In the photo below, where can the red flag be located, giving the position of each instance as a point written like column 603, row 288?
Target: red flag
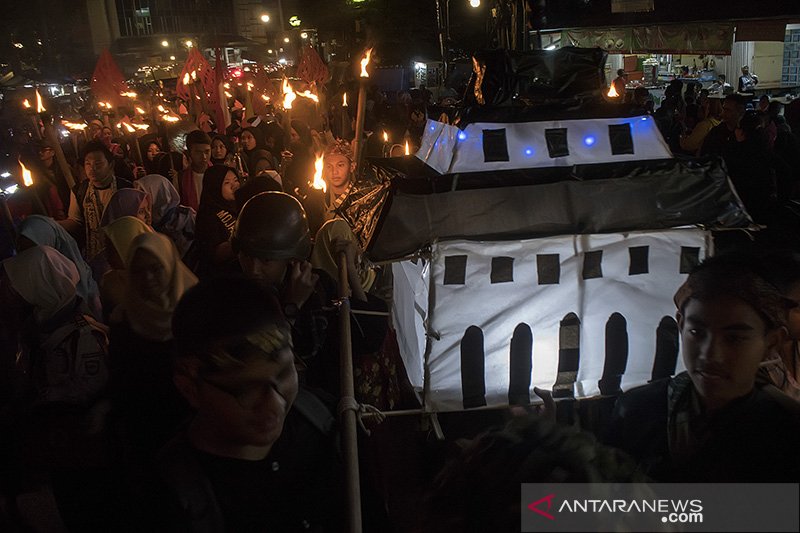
column 312, row 68
column 219, row 102
column 196, row 81
column 108, row 81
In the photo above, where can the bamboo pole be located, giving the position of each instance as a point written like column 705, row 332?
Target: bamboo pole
column 358, row 148
column 349, row 422
column 50, row 135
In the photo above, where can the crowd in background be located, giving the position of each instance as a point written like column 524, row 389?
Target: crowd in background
column 170, row 341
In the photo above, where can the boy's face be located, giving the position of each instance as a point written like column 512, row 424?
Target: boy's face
column 724, row 340
column 337, row 170
column 247, row 406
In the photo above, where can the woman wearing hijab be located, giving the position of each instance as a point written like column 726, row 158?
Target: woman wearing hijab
column 44, row 231
column 216, row 217
column 127, row 202
column 63, row 379
column 252, row 141
column 119, row 236
column 169, row 217
column 151, row 149
column 221, row 150
column 141, row 343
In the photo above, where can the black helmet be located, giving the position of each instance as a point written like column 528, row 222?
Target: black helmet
column 272, row 225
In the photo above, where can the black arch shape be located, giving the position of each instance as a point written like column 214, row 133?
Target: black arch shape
column 473, row 377
column 521, row 365
column 569, row 336
column 616, row 355
column 667, row 345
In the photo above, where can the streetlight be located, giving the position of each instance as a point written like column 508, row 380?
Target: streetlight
column 189, row 43
column 304, row 35
column 164, row 43
column 286, row 39
column 172, row 58
column 265, row 18
column 475, row 3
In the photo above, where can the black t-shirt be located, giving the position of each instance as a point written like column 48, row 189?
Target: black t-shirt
column 297, row 487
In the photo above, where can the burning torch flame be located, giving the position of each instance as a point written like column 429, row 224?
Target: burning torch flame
column 265, row 97
column 344, row 100
column 226, row 85
column 26, row 104
column 385, row 137
column 161, row 108
column 74, row 126
column 612, row 92
column 408, row 150
column 170, row 118
column 365, row 62
column 139, row 110
column 141, row 126
column 308, row 94
column 129, row 94
column 249, row 85
column 318, row 182
column 194, row 74
column 228, row 95
column 186, row 79
column 289, row 95
column 39, row 105
column 27, row 177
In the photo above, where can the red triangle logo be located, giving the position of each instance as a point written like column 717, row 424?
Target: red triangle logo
column 535, row 506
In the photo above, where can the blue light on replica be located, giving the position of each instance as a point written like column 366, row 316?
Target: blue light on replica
column 528, row 152
column 433, row 127
column 462, row 135
column 589, row 140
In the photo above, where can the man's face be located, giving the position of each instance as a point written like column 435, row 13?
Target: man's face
column 268, row 272
column 199, row 154
column 46, row 153
column 731, row 114
column 98, row 169
column 247, row 406
column 337, row 170
column 724, row 340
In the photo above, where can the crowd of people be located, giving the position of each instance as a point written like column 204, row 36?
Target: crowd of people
column 170, row 341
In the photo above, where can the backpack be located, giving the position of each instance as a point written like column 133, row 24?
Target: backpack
column 71, row 363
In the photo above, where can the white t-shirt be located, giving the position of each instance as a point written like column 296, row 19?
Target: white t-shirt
column 198, row 183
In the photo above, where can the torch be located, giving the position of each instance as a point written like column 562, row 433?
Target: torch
column 386, row 144
column 27, row 180
column 73, row 127
column 346, row 131
column 318, row 182
column 132, row 139
column 361, row 110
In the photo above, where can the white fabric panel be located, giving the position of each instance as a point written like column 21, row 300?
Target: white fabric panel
column 409, row 312
column 588, row 142
column 497, row 309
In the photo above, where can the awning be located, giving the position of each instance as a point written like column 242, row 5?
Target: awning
column 761, row 30
column 702, row 38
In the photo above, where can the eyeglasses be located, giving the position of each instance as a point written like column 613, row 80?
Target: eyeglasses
column 247, row 396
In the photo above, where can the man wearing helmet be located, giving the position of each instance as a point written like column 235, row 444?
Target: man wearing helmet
column 273, row 243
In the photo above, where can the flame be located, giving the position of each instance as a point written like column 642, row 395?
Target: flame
column 408, row 149
column 344, row 99
column 26, row 104
column 249, row 85
column 141, row 126
column 289, row 95
column 27, row 177
column 194, row 75
column 308, row 94
column 612, row 92
column 265, row 97
column 139, row 110
column 365, row 62
column 186, row 79
column 161, row 108
column 104, row 104
column 170, row 118
column 228, row 95
column 129, row 94
column 226, row 85
column 385, row 137
column 74, row 125
column 318, row 182
column 39, row 105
